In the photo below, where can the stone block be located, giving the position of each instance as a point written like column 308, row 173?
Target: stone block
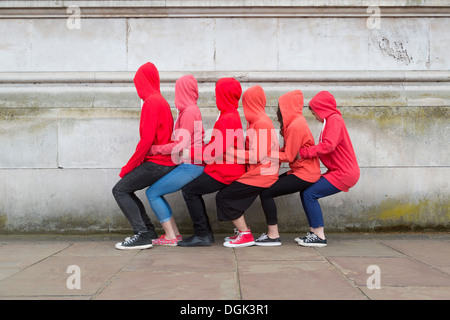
column 28, row 138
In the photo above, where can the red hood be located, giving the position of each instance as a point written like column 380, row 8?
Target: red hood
column 146, row 81
column 291, row 106
column 186, row 92
column 324, row 104
column 254, row 103
column 228, row 93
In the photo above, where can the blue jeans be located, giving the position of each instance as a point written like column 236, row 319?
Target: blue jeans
column 171, row 182
column 310, row 197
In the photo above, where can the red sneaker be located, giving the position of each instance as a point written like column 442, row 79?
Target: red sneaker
column 243, row 239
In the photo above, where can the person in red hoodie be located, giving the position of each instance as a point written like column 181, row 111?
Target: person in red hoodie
column 218, row 172
column 142, row 170
column 303, row 172
column 336, row 152
column 233, row 200
column 188, row 135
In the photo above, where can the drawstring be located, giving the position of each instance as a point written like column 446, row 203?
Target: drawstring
column 321, row 132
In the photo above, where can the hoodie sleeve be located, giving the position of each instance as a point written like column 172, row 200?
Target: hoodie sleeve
column 147, row 130
column 219, row 143
column 331, row 137
column 182, row 136
column 294, row 140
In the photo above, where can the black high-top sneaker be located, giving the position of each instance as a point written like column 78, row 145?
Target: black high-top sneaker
column 141, row 240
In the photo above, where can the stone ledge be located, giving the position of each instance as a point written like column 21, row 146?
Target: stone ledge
column 126, row 77
column 224, row 8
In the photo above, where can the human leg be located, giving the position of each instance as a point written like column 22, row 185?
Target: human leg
column 171, row 182
column 310, row 197
column 123, row 192
column 286, row 184
column 192, row 193
column 232, row 201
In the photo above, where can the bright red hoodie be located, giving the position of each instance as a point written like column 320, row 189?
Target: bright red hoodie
column 228, row 93
column 296, row 135
column 156, row 123
column 261, row 141
column 188, row 130
column 334, row 149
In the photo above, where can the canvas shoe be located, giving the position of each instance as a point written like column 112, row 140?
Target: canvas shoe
column 265, row 241
column 243, row 239
column 313, row 241
column 301, row 239
column 140, row 240
column 230, row 238
column 162, row 241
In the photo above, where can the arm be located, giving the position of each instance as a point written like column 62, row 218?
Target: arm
column 331, row 137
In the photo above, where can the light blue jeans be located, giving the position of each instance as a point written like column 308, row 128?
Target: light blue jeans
column 171, row 182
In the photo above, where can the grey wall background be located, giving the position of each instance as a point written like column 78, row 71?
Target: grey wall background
column 69, row 112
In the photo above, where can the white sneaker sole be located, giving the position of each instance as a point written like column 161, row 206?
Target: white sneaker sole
column 268, row 244
column 145, row 246
column 303, row 244
column 231, row 245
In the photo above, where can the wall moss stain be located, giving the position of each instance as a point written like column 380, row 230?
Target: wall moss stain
column 420, row 212
column 3, row 222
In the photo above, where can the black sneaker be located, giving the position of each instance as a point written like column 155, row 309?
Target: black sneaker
column 141, row 240
column 195, row 241
column 265, row 241
column 313, row 241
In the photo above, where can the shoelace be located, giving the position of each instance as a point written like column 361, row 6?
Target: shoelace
column 132, row 239
column 262, row 237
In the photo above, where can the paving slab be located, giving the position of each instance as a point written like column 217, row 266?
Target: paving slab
column 411, row 266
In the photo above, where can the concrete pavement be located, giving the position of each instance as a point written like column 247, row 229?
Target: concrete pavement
column 352, row 266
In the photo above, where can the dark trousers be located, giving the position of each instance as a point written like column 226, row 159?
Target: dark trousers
column 133, row 208
column 192, row 193
column 233, row 200
column 286, row 184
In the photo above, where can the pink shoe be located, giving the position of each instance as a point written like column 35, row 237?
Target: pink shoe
column 162, row 241
column 243, row 239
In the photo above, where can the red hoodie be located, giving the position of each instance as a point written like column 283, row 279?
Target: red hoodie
column 334, row 149
column 261, row 141
column 228, row 93
column 188, row 130
column 296, row 135
column 156, row 121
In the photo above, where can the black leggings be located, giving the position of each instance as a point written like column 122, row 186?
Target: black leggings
column 286, row 184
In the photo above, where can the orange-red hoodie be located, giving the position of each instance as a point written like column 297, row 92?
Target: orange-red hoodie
column 297, row 135
column 261, row 141
column 156, row 123
column 334, row 149
column 228, row 93
column 188, row 130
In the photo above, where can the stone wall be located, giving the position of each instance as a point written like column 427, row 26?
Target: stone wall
column 69, row 112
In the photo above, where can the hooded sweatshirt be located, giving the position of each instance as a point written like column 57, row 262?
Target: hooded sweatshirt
column 228, row 93
column 334, row 149
column 188, row 129
column 297, row 135
column 156, row 121
column 261, row 141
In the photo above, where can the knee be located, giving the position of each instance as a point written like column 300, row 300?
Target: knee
column 116, row 190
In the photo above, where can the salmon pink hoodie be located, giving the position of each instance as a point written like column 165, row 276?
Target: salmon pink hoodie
column 297, row 135
column 228, row 93
column 261, row 141
column 188, row 130
column 334, row 149
column 156, row 121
